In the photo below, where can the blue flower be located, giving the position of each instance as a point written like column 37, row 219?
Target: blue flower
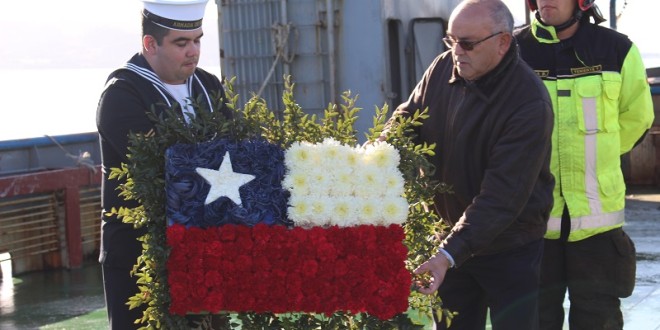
column 263, row 199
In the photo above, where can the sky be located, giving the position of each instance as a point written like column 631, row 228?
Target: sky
column 80, row 33
column 56, row 55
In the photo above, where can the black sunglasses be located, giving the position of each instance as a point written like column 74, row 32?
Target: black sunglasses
column 466, row 45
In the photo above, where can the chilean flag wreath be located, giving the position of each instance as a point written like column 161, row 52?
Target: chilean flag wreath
column 315, row 228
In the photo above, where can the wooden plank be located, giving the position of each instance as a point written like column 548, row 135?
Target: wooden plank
column 21, row 220
column 29, row 229
column 37, row 245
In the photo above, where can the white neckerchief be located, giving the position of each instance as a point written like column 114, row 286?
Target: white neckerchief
column 182, row 94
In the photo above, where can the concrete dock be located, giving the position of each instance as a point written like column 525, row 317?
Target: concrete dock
column 642, row 309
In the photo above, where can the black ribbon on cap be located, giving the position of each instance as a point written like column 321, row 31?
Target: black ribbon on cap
column 171, row 23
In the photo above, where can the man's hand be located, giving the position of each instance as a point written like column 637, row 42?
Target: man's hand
column 437, row 267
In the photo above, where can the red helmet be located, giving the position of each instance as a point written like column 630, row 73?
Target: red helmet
column 584, row 4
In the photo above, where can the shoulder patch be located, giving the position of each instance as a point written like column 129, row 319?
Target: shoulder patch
column 586, row 70
column 542, row 73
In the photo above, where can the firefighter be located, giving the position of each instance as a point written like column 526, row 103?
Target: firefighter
column 603, row 107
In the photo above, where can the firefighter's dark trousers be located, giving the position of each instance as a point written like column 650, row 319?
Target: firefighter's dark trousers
column 596, row 271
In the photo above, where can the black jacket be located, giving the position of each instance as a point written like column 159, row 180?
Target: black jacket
column 129, row 93
column 493, row 148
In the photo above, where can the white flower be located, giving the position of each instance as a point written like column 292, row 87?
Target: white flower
column 393, row 184
column 329, row 141
column 299, row 155
column 368, row 211
column 330, row 149
column 343, row 212
column 320, row 180
column 299, row 210
column 297, row 182
column 353, row 157
column 394, row 210
column 336, row 156
column 343, row 181
column 320, row 211
column 367, row 181
column 382, row 155
column 330, row 154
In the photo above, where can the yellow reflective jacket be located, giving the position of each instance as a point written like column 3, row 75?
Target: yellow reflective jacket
column 603, row 106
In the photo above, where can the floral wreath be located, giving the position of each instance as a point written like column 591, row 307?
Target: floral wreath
column 331, row 262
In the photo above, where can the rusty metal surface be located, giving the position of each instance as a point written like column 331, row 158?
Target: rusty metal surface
column 50, row 219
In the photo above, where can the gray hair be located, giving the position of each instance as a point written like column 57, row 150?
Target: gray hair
column 499, row 13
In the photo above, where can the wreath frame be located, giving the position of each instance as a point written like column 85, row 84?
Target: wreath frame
column 143, row 180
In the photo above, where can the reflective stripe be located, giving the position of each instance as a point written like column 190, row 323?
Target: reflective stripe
column 589, row 221
column 554, row 224
column 590, row 153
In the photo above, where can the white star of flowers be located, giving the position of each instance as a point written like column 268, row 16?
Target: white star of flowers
column 224, row 181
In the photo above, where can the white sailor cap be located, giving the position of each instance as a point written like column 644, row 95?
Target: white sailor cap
column 175, row 14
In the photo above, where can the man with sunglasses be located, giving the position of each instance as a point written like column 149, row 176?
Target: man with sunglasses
column 490, row 118
column 602, row 104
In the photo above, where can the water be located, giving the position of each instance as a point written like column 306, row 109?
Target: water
column 52, row 101
column 39, row 299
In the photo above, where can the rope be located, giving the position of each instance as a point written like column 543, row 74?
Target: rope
column 280, row 42
column 83, row 159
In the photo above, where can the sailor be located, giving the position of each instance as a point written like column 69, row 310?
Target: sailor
column 163, row 74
